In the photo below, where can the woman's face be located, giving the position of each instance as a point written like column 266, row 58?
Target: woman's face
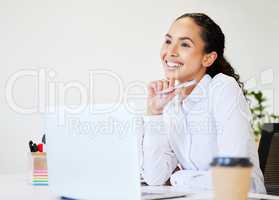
column 182, row 52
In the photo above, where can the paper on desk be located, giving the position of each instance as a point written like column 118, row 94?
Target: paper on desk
column 161, row 192
column 196, row 195
column 251, row 196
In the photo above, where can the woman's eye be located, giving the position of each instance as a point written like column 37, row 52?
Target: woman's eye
column 167, row 41
column 185, row 45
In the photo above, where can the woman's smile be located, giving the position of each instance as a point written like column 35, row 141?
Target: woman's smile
column 182, row 51
column 173, row 65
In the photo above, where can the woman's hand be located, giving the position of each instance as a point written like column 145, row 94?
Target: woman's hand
column 156, row 102
column 184, row 92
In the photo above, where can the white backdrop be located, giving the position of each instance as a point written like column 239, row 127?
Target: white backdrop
column 65, row 39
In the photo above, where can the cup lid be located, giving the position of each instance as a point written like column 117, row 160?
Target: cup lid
column 231, row 162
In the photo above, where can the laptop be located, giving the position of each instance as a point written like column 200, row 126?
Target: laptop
column 93, row 153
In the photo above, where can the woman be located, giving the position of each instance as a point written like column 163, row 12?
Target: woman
column 186, row 128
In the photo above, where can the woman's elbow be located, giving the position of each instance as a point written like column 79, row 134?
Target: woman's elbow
column 154, row 178
column 156, row 175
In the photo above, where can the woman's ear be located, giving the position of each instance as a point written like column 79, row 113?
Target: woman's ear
column 209, row 59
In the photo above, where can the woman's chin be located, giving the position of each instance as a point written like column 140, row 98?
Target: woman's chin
column 173, row 75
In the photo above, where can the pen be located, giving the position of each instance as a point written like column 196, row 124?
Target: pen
column 44, row 139
column 31, row 146
column 40, row 147
column 182, row 85
column 35, row 147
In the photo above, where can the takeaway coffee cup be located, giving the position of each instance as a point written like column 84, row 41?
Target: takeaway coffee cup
column 231, row 178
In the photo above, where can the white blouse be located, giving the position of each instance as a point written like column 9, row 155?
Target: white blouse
column 214, row 120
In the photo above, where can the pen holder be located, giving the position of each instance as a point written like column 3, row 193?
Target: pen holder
column 39, row 171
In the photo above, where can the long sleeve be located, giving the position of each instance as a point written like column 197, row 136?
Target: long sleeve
column 192, row 179
column 232, row 119
column 159, row 160
column 234, row 136
column 231, row 116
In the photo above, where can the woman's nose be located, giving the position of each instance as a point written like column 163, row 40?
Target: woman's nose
column 173, row 51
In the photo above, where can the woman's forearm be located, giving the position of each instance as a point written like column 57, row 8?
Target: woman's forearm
column 159, row 161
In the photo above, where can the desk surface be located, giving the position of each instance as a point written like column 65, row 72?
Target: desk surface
column 18, row 186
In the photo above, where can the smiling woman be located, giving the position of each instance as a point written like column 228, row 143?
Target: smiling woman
column 199, row 39
column 182, row 53
column 190, row 126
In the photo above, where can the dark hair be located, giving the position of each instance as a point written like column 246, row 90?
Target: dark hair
column 214, row 40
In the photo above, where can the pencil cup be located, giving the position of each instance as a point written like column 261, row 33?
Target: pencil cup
column 39, row 173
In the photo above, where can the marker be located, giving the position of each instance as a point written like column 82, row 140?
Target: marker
column 31, row 146
column 182, row 85
column 35, row 147
column 40, row 147
column 44, row 139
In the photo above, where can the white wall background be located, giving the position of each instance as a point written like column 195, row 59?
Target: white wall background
column 73, row 37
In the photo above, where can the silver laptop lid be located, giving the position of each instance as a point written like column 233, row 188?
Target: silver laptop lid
column 93, row 154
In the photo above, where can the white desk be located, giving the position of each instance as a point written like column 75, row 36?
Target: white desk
column 18, row 186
